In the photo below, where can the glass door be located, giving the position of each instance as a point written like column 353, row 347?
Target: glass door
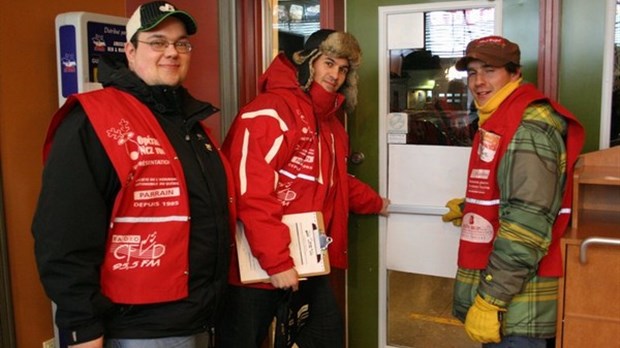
column 610, row 117
column 429, row 124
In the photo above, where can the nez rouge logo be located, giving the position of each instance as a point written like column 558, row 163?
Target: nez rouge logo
column 135, row 145
column 135, row 252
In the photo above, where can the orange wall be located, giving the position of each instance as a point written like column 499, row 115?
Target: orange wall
column 28, row 98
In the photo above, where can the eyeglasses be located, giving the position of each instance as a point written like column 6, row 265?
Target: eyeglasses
column 160, row 45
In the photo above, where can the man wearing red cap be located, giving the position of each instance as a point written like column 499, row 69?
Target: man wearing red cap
column 133, row 222
column 289, row 154
column 517, row 203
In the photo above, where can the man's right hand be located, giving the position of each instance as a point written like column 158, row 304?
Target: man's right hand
column 288, row 279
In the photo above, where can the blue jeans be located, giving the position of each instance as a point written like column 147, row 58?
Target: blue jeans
column 248, row 312
column 194, row 341
column 518, row 342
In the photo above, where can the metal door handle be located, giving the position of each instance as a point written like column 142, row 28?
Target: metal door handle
column 594, row 240
column 417, row 209
column 357, row 157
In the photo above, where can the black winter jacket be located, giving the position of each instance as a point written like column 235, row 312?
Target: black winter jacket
column 72, row 217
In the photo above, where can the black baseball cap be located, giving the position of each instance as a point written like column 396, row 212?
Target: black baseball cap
column 148, row 16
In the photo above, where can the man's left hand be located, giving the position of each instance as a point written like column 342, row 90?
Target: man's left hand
column 288, row 279
column 384, row 208
column 483, row 323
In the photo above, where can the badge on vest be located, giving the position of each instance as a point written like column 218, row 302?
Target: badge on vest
column 476, row 229
column 489, row 143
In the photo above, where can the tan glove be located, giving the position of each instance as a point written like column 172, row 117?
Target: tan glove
column 483, row 322
column 456, row 211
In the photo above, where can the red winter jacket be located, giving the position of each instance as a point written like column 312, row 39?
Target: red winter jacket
column 288, row 152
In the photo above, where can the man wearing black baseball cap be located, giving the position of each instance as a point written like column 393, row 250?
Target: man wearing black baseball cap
column 517, row 202
column 125, row 169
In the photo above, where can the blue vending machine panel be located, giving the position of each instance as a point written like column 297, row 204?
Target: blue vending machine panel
column 68, row 60
column 81, row 39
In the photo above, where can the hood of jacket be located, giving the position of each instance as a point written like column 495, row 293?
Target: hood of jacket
column 281, row 73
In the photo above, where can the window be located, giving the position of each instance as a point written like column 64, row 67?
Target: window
column 293, row 21
column 425, row 85
column 448, row 32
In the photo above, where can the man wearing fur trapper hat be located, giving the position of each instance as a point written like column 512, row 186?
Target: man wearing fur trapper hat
column 336, row 44
column 289, row 154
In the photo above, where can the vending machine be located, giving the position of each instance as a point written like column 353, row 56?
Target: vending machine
column 81, row 39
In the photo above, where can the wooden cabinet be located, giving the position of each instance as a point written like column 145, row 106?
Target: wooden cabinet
column 589, row 297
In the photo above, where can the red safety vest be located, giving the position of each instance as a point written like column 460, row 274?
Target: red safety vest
column 146, row 259
column 481, row 213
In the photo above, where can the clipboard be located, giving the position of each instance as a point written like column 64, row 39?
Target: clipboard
column 308, row 248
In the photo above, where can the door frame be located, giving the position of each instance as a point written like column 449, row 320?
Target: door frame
column 608, row 74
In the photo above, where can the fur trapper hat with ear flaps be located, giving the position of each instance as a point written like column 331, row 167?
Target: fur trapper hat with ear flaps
column 335, row 44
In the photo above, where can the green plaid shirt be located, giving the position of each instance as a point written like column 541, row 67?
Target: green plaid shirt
column 531, row 177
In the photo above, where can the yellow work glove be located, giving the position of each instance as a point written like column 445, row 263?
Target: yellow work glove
column 456, row 211
column 483, row 322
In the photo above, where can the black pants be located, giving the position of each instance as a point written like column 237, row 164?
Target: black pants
column 249, row 312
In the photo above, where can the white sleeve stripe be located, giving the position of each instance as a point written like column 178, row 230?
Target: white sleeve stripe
column 266, row 112
column 243, row 179
column 307, row 177
column 298, row 176
column 332, row 174
column 274, row 149
column 319, row 179
column 287, row 174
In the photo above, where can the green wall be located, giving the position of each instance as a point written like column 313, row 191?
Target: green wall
column 520, row 25
column 581, row 64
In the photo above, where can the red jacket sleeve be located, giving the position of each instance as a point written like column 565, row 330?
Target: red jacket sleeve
column 253, row 147
column 363, row 199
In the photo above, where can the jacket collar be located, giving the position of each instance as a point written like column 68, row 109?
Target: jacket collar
column 162, row 100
